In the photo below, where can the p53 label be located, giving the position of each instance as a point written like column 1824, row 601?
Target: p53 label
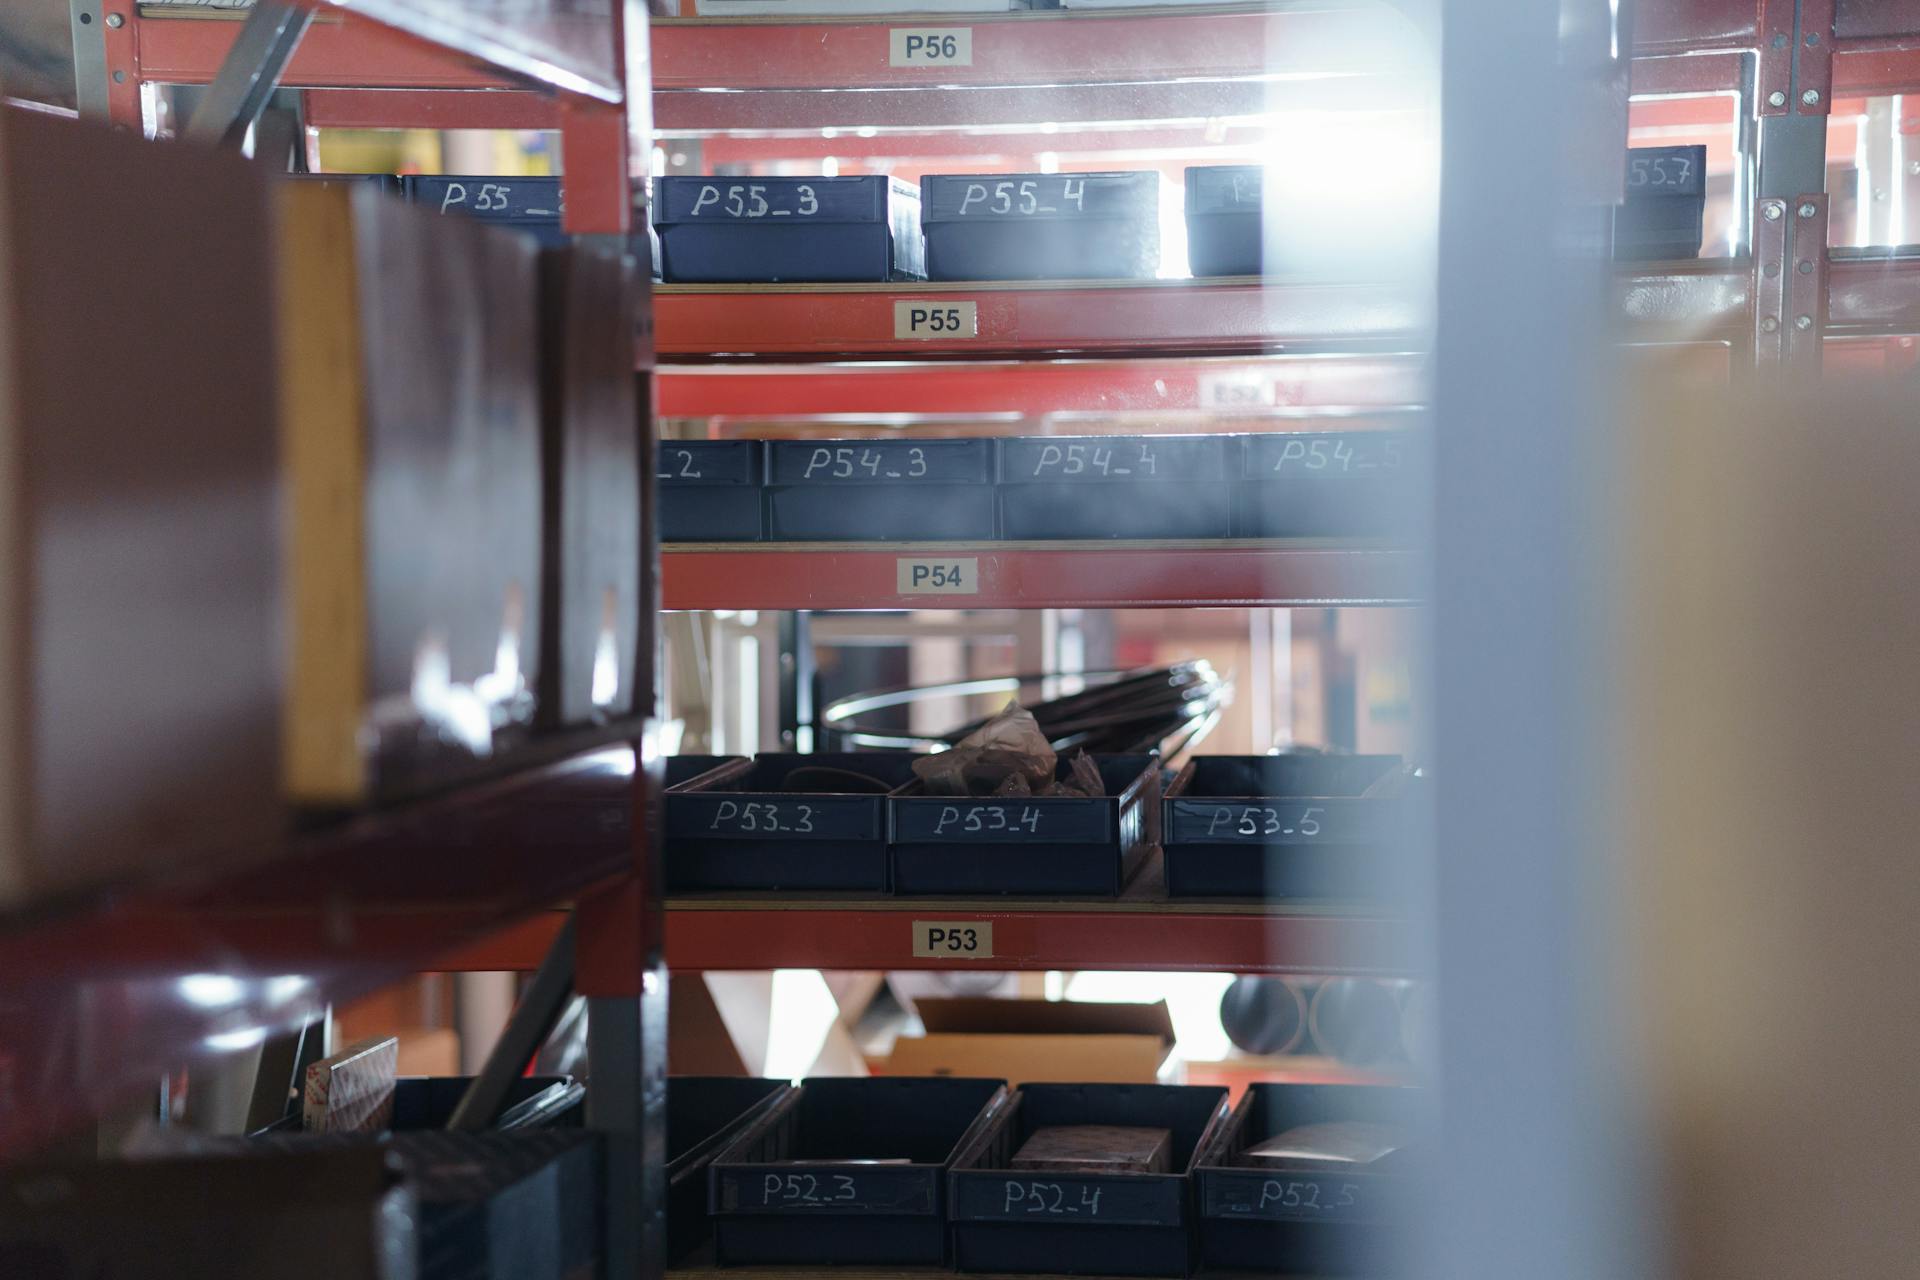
column 953, row 939
column 930, row 47
column 929, row 320
column 937, row 576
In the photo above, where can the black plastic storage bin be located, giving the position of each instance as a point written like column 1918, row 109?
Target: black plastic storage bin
column 1311, row 1220
column 704, row 1115
column 747, row 230
column 1115, row 1224
column 1116, row 487
column 428, row 1102
column 1041, row 226
column 520, row 1204
column 1223, row 219
column 862, row 490
column 1286, row 826
column 686, row 768
column 752, row 825
column 781, row 1193
column 1029, row 844
column 710, row 491
column 531, row 205
column 1666, row 206
column 524, row 1204
column 322, row 1214
column 1325, row 484
column 386, row 182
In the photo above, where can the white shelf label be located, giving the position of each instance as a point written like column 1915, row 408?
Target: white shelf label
column 937, row 576
column 953, row 939
column 929, row 320
column 930, row 47
column 1247, row 389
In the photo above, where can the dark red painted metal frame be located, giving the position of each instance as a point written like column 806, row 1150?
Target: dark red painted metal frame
column 101, row 998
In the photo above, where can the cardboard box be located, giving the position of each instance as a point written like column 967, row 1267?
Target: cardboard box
column 139, row 695
column 410, row 436
column 1044, row 1040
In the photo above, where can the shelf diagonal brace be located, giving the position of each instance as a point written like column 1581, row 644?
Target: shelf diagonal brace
column 540, row 1006
column 246, row 79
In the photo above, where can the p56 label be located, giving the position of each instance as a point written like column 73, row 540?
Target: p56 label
column 953, row 939
column 930, row 320
column 930, row 47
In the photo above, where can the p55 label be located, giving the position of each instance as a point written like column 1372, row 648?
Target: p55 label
column 930, row 320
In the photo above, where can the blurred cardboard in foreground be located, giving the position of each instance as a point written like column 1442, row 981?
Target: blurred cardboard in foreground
column 1769, row 721
column 1026, row 1040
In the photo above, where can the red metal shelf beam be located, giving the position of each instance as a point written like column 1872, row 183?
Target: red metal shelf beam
column 1161, row 318
column 1030, row 388
column 1135, row 318
column 1057, row 47
column 838, row 937
column 1062, row 575
column 337, row 52
column 1145, row 318
column 1029, row 66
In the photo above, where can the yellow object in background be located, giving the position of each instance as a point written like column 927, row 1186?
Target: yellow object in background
column 509, row 152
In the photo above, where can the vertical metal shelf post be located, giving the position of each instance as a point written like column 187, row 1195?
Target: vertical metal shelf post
column 620, row 956
column 1792, row 99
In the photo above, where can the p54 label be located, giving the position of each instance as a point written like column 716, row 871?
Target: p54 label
column 937, row 575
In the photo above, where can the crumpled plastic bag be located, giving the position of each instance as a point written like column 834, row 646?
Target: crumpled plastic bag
column 1007, row 756
column 1083, row 778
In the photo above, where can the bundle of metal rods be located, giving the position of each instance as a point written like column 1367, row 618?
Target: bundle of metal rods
column 1167, row 709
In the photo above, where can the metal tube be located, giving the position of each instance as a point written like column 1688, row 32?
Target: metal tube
column 245, row 81
column 540, row 1007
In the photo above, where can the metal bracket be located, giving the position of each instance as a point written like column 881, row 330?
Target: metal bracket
column 1795, row 73
column 1793, row 94
column 1805, row 317
column 89, row 57
column 1790, row 280
column 246, row 79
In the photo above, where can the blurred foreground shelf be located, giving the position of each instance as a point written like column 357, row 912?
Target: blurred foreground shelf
column 101, row 995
